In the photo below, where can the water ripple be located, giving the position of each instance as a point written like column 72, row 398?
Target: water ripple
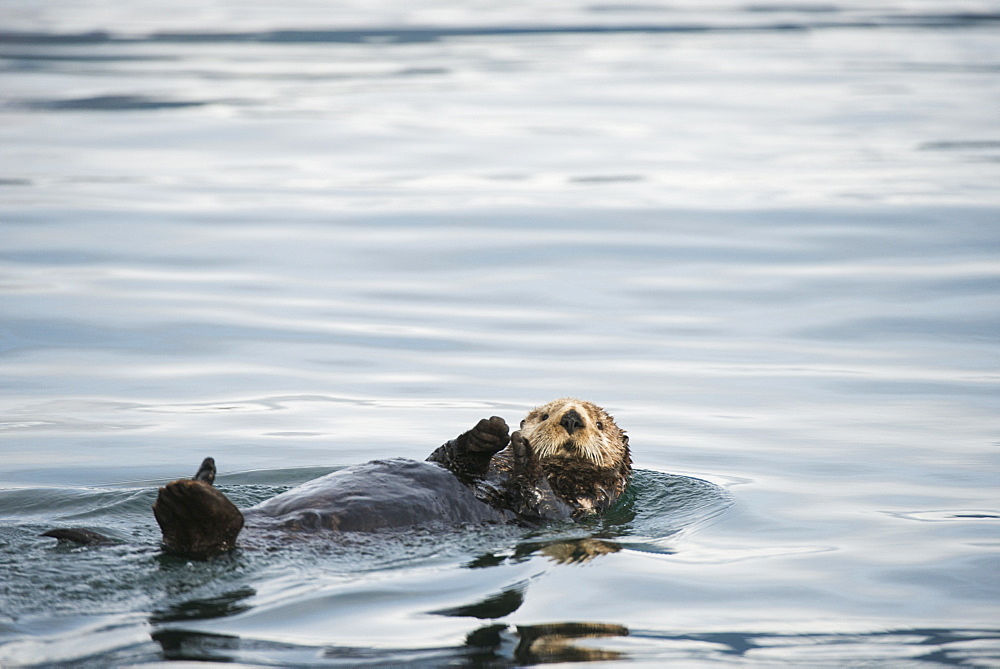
column 411, row 35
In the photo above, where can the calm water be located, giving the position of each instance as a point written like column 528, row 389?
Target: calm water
column 301, row 235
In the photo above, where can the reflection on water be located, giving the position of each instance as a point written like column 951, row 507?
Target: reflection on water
column 503, row 645
column 489, row 645
column 296, row 237
column 581, row 550
column 226, row 604
column 494, row 606
column 543, row 644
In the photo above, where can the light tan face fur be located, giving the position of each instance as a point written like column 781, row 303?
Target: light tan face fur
column 597, row 438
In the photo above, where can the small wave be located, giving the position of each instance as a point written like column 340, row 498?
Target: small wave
column 655, row 510
column 109, row 103
column 660, row 504
column 961, row 145
column 57, row 505
column 794, row 18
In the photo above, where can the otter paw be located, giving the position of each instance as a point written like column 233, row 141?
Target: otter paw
column 197, row 520
column 489, row 436
column 524, row 461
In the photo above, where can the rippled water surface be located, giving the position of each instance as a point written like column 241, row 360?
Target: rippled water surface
column 301, row 235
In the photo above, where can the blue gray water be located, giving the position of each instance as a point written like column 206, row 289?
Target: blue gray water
column 299, row 235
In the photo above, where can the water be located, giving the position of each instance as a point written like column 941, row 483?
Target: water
column 297, row 237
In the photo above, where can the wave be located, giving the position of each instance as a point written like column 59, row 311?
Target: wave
column 433, row 33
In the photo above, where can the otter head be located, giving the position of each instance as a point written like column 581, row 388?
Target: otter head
column 576, row 429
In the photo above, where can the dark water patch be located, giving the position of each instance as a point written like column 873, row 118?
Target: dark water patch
column 422, row 72
column 960, row 68
column 15, row 182
column 796, row 8
column 626, row 8
column 109, row 103
column 955, row 287
column 436, row 34
column 985, row 328
column 27, row 37
column 359, row 36
column 967, row 145
column 77, row 57
column 607, row 179
column 944, row 20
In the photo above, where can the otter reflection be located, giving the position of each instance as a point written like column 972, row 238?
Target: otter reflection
column 554, row 642
column 543, row 644
column 536, row 644
column 494, row 645
column 561, row 551
column 578, row 550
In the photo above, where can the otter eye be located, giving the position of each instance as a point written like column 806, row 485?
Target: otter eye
column 600, row 425
column 545, row 417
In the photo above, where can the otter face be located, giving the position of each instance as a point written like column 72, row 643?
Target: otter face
column 577, row 429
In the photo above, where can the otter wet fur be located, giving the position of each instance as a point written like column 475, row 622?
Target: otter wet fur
column 568, row 460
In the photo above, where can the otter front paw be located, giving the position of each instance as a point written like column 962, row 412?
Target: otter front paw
column 468, row 455
column 529, row 493
column 525, row 466
column 489, row 436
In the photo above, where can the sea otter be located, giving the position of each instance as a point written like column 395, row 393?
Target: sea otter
column 568, row 460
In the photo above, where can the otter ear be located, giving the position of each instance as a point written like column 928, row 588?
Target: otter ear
column 522, row 424
column 625, row 439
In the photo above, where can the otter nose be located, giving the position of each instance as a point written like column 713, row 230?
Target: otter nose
column 572, row 421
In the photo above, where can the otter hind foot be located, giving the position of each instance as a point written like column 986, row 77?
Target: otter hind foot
column 196, row 519
column 79, row 535
column 206, row 472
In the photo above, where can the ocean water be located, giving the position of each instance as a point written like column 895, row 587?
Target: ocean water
column 296, row 236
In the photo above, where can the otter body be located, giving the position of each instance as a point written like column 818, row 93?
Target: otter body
column 569, row 459
column 377, row 495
